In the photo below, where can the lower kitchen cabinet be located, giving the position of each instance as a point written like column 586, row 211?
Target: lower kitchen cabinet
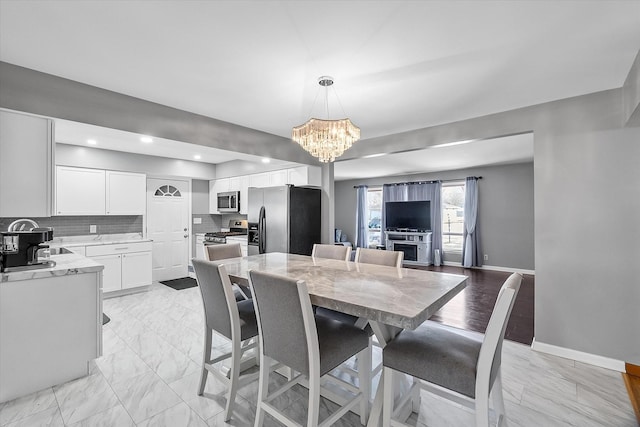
column 126, row 266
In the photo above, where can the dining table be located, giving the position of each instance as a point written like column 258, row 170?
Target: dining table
column 389, row 299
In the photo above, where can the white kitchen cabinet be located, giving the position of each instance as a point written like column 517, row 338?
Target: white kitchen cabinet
column 111, row 275
column 216, row 186
column 125, row 193
column 26, row 165
column 244, row 194
column 126, row 265
column 304, row 175
column 199, row 254
column 98, row 192
column 278, row 177
column 136, row 269
column 259, row 180
column 80, row 191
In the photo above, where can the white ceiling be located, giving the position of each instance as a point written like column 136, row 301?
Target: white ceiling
column 398, row 65
column 75, row 133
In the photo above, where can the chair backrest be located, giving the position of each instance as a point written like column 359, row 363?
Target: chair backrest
column 218, row 252
column 331, row 251
column 286, row 324
column 490, row 356
column 218, row 299
column 379, row 257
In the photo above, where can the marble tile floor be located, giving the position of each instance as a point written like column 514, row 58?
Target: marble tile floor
column 149, row 373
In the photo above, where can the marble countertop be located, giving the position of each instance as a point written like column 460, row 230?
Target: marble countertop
column 400, row 297
column 65, row 264
column 96, row 239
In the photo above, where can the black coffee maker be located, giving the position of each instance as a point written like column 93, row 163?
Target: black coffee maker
column 19, row 249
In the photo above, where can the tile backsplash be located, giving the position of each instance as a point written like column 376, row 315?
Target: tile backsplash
column 213, row 222
column 80, row 225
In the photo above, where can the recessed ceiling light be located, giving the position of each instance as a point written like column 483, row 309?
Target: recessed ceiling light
column 197, row 156
column 266, row 160
column 92, row 141
column 146, row 139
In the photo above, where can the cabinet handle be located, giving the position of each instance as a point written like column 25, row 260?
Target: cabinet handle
column 121, row 249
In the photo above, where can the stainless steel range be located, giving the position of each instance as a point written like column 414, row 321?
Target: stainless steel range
column 236, row 228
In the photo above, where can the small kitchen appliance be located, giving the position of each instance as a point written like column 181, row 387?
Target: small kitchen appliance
column 19, row 249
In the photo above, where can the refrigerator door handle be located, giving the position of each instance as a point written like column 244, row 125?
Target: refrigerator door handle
column 262, row 231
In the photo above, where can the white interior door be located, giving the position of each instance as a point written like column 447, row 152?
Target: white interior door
column 168, row 227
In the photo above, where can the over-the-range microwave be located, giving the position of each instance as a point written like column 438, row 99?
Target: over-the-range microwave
column 229, row 201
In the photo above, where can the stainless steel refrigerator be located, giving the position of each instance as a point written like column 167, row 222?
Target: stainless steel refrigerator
column 283, row 219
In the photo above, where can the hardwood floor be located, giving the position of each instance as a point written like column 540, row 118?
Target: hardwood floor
column 471, row 308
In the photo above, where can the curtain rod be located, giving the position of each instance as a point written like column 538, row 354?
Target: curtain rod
column 422, row 182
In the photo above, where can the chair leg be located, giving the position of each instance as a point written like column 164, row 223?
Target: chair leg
column 313, row 414
column 387, row 405
column 482, row 410
column 498, row 401
column 364, row 381
column 263, row 389
column 236, row 355
column 206, row 357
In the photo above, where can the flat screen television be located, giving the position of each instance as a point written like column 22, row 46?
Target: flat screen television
column 411, row 216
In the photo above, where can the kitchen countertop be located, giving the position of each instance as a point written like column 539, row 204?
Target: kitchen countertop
column 96, row 239
column 65, row 264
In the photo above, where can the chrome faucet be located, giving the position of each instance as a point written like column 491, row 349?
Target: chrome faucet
column 14, row 225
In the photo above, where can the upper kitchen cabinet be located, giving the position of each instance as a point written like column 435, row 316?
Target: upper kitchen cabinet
column 305, row 175
column 26, row 165
column 126, row 193
column 99, row 192
column 80, row 191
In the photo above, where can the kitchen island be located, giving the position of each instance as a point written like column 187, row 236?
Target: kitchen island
column 50, row 324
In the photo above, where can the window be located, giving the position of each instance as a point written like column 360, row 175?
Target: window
column 374, row 216
column 452, row 216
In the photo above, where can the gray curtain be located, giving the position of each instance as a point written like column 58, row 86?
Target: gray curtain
column 361, row 217
column 471, row 256
column 432, row 192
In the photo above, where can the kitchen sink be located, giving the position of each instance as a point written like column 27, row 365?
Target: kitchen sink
column 59, row 251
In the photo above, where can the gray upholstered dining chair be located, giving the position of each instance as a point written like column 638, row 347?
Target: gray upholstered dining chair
column 234, row 320
column 225, row 251
column 331, row 251
column 379, row 257
column 218, row 252
column 291, row 335
column 460, row 365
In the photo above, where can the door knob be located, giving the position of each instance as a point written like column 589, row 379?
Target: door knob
column 186, row 235
column 185, row 229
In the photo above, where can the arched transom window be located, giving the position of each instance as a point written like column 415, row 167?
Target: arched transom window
column 167, row 191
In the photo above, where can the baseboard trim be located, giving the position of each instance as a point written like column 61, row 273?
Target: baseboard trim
column 494, row 268
column 579, row 356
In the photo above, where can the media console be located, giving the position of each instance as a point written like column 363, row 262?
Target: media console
column 415, row 245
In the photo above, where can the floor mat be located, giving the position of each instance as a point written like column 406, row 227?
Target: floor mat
column 182, row 283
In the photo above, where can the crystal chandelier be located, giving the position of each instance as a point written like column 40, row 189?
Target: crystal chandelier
column 326, row 139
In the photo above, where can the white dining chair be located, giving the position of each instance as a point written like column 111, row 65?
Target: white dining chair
column 461, row 366
column 339, row 252
column 379, row 257
column 234, row 320
column 313, row 346
column 226, row 251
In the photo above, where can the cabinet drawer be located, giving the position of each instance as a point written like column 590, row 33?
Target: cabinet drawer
column 118, row 248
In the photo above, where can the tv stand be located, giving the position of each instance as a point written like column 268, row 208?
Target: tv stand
column 415, row 245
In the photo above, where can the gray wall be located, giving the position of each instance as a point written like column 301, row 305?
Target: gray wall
column 31, row 91
column 505, row 210
column 631, row 94
column 585, row 173
column 86, row 157
column 200, row 196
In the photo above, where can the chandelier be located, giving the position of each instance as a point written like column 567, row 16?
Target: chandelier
column 326, row 139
